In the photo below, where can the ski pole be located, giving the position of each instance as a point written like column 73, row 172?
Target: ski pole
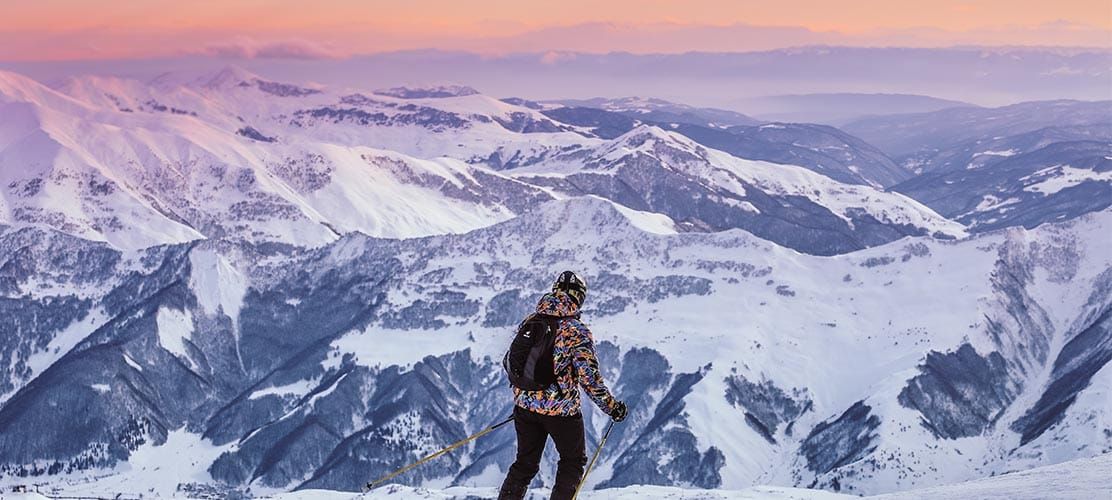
column 376, row 483
column 593, row 459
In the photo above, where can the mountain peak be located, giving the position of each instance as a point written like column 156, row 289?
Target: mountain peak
column 228, row 76
column 222, row 78
column 648, row 137
column 17, row 86
column 635, row 103
column 572, row 218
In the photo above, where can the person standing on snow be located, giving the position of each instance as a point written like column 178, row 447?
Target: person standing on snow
column 555, row 410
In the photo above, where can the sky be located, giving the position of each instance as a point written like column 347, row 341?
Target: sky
column 55, row 30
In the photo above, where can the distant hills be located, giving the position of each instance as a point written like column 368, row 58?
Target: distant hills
column 987, row 76
column 840, row 108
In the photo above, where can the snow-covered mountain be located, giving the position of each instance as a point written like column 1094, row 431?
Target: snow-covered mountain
column 990, row 168
column 660, row 171
column 232, row 154
column 136, row 166
column 926, row 142
column 841, row 108
column 984, row 151
column 662, row 111
column 746, row 363
column 263, row 286
column 821, row 148
column 1055, row 182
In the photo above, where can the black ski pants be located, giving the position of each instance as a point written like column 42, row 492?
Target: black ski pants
column 533, row 430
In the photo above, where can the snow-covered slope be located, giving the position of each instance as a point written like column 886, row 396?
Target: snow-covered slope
column 926, row 140
column 137, row 166
column 661, row 111
column 820, row 148
column 1083, row 479
column 1057, row 181
column 704, row 189
column 745, row 363
column 292, row 287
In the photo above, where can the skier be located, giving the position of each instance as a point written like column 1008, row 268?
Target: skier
column 555, row 410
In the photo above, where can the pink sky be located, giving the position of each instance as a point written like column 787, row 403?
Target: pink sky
column 78, row 29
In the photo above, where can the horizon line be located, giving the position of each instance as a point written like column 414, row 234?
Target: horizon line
column 503, row 55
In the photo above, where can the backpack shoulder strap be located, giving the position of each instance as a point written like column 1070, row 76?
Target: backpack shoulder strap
column 527, row 319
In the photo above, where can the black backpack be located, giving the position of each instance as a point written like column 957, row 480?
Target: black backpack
column 528, row 363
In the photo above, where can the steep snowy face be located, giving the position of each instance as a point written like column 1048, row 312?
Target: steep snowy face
column 703, row 189
column 743, row 362
column 819, row 148
column 50, row 282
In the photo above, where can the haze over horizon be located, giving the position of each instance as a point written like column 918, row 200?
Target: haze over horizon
column 70, row 30
column 989, row 53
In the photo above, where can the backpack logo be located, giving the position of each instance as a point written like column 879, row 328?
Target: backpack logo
column 528, row 363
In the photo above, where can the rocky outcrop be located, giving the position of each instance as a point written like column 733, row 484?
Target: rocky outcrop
column 960, row 393
column 842, row 441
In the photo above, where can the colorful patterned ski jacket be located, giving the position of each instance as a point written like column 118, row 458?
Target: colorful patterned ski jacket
column 574, row 361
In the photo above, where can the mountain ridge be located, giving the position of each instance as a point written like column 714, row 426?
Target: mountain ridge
column 271, row 161
column 435, row 310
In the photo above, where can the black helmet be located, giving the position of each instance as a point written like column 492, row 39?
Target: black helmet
column 570, row 283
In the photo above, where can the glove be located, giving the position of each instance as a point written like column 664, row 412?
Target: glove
column 619, row 412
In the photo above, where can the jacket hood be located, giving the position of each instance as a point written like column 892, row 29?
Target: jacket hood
column 557, row 304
